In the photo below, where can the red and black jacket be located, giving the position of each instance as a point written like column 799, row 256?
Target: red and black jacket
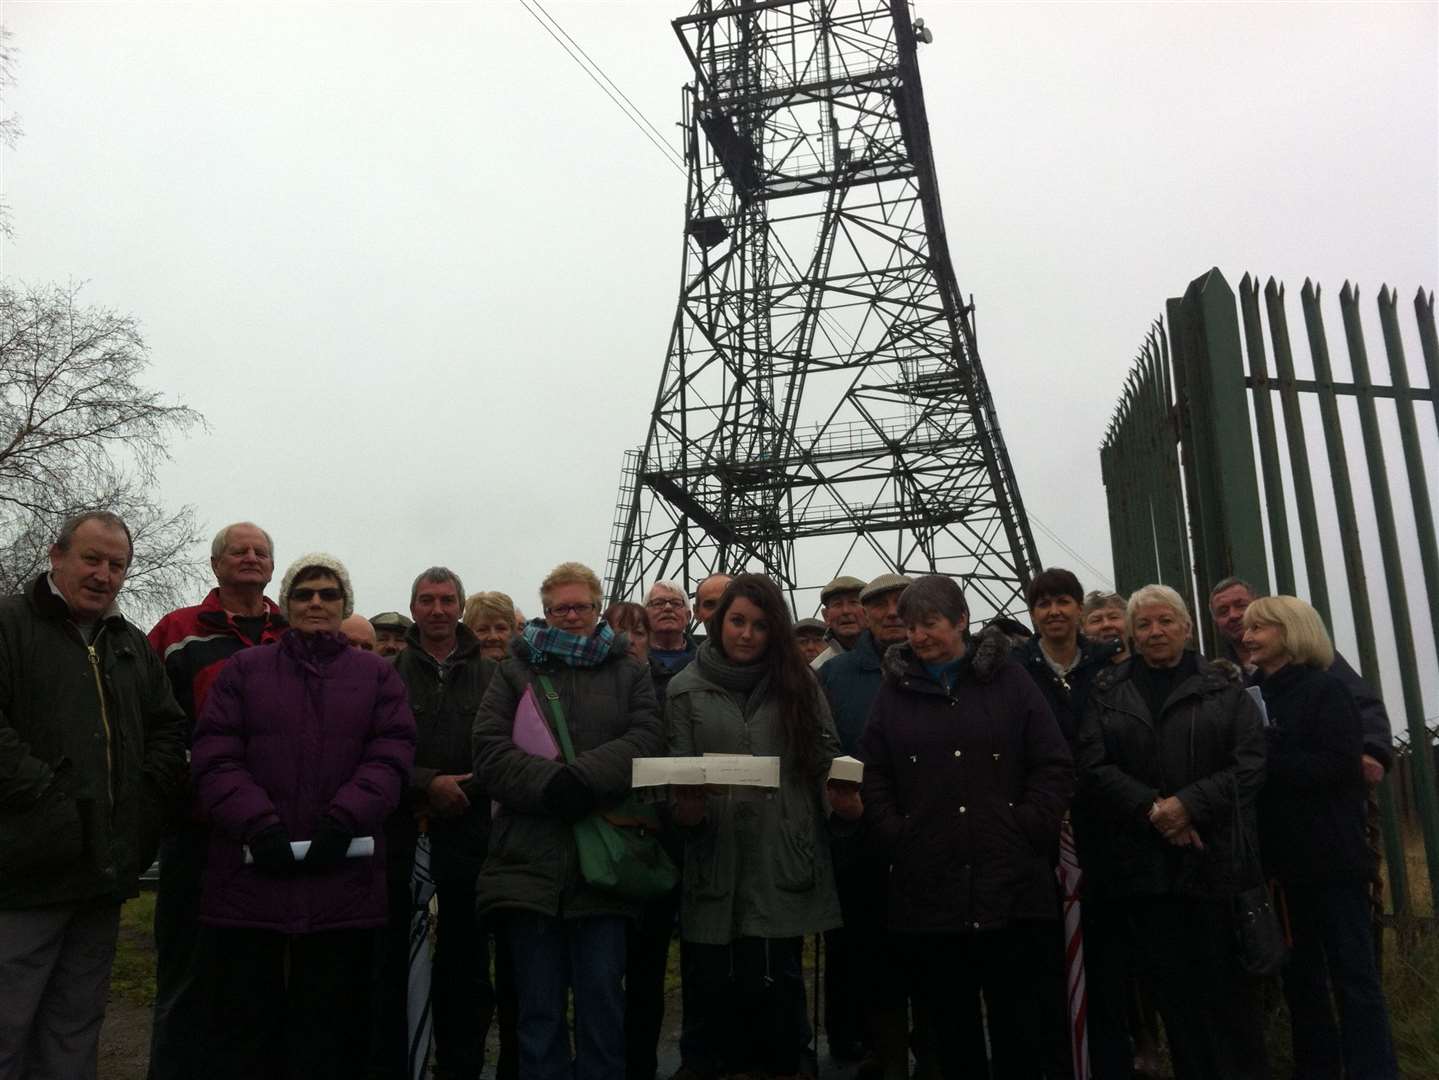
column 195, row 642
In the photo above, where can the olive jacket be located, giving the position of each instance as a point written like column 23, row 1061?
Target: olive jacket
column 532, row 863
column 759, row 864
column 92, row 753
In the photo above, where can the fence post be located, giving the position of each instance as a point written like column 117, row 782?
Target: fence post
column 1268, row 440
column 1314, row 571
column 1224, row 445
column 1419, row 739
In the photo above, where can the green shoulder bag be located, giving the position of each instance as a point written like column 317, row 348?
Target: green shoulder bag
column 619, row 849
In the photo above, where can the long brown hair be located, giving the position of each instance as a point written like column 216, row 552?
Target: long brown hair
column 790, row 678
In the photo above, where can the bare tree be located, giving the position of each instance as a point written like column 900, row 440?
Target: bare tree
column 78, row 431
column 9, row 121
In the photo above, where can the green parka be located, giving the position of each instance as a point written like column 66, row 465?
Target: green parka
column 612, row 717
column 92, row 749
column 759, row 863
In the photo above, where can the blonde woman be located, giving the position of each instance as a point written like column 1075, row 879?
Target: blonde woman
column 1311, row 827
column 492, row 616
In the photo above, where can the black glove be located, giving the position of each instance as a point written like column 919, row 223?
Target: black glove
column 270, row 848
column 328, row 845
column 567, row 797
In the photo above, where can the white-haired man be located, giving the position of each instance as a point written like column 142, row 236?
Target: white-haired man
column 195, row 643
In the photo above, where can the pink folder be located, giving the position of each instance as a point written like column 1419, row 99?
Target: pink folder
column 531, row 733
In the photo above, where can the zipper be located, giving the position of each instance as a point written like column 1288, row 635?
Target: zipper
column 104, row 720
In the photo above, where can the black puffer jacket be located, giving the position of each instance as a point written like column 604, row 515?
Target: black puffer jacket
column 964, row 791
column 92, row 754
column 612, row 719
column 1068, row 696
column 1311, row 812
column 1207, row 748
column 444, row 703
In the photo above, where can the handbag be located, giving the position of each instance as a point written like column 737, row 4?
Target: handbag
column 619, row 849
column 1261, row 940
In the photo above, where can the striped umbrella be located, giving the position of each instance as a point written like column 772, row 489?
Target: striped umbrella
column 422, row 888
column 1071, row 880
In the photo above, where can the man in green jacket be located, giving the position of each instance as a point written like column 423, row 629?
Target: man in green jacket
column 91, row 750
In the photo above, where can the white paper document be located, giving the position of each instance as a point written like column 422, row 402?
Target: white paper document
column 745, row 770
column 360, row 847
column 847, row 768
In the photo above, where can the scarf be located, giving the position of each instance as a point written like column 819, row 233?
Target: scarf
column 551, row 643
column 747, row 682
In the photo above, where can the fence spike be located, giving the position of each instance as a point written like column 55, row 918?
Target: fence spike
column 1349, row 294
column 1274, row 289
column 1425, row 300
column 1311, row 292
column 1388, row 298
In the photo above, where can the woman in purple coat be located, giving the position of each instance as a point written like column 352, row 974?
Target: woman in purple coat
column 303, row 740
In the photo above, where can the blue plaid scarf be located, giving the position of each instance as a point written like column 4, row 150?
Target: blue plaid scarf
column 549, row 643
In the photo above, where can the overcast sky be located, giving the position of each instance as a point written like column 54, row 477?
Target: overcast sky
column 418, row 273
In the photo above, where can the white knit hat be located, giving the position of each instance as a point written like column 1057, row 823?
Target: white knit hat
column 325, row 561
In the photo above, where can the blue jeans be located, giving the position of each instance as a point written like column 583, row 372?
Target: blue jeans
column 1334, row 949
column 551, row 956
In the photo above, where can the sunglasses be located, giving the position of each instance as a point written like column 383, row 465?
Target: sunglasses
column 329, row 594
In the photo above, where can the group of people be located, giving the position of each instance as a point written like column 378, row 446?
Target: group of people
column 292, row 761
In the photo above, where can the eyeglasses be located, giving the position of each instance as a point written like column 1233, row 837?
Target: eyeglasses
column 563, row 610
column 329, row 594
column 660, row 604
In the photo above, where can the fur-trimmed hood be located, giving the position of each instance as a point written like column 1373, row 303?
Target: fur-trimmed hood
column 1213, row 675
column 983, row 657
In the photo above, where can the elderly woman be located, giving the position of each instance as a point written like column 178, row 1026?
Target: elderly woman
column 492, row 616
column 563, row 933
column 1311, row 824
column 757, row 875
column 967, row 777
column 303, row 740
column 1171, row 760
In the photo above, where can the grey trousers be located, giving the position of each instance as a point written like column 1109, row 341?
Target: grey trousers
column 54, row 979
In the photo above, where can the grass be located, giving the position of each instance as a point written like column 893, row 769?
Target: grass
column 133, row 976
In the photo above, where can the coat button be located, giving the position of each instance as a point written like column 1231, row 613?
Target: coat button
column 961, row 809
column 996, row 757
column 958, row 754
column 975, row 925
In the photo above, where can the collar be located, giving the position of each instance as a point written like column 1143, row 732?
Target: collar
column 51, row 602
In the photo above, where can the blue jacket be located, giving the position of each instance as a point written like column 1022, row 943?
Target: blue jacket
column 851, row 682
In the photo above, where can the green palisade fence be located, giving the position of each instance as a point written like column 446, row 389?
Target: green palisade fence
column 1183, row 470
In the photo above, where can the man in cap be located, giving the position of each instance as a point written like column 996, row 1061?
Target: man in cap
column 865, row 1014
column 390, row 630
column 843, row 615
column 92, row 757
column 195, row 643
column 446, row 678
column 809, row 634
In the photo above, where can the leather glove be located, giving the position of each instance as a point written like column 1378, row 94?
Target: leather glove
column 270, row 848
column 567, row 797
column 328, row 845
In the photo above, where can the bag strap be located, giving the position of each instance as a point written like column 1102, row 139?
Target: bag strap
column 557, row 714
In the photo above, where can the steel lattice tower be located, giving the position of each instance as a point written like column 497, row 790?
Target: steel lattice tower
column 822, row 391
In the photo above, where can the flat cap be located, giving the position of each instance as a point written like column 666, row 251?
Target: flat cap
column 805, row 626
column 839, row 585
column 391, row 620
column 883, row 584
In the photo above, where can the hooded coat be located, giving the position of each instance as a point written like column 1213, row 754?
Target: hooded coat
column 964, row 792
column 292, row 733
column 1207, row 748
column 759, row 863
column 610, row 711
